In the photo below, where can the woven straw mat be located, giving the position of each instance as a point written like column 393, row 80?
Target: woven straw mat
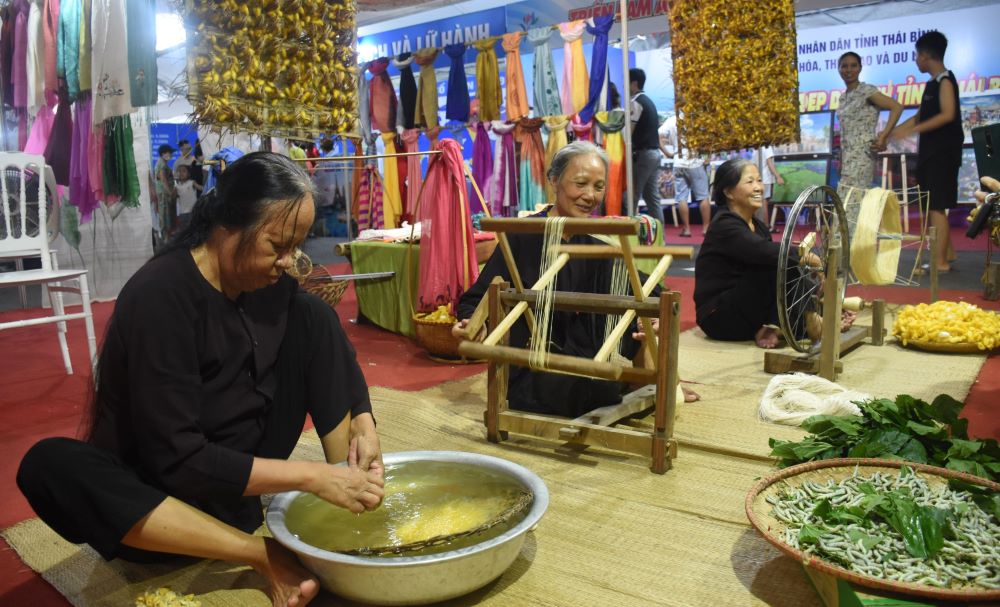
column 614, row 534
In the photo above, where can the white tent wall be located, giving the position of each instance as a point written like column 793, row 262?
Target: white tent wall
column 117, row 240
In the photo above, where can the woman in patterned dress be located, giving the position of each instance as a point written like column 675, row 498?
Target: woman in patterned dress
column 858, row 115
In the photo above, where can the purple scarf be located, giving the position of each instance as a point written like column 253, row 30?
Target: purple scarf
column 19, row 68
column 503, row 190
column 81, row 195
column 482, row 166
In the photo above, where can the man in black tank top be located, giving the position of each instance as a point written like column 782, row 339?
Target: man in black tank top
column 939, row 123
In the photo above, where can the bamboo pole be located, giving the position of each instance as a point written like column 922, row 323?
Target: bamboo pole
column 633, row 277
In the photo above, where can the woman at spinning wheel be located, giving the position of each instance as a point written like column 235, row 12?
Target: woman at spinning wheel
column 211, row 361
column 736, row 269
column 579, row 176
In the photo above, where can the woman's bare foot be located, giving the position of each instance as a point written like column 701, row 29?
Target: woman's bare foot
column 690, row 395
column 767, row 338
column 847, row 319
column 290, row 584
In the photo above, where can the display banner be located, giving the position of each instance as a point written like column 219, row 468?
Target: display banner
column 529, row 14
column 887, row 54
column 465, row 28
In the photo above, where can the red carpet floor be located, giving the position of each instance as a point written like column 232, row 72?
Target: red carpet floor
column 38, row 399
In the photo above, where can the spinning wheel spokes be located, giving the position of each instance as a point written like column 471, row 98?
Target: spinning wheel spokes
column 814, row 223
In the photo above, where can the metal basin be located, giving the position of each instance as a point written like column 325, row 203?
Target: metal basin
column 417, row 580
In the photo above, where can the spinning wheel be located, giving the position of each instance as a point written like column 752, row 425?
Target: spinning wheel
column 815, row 224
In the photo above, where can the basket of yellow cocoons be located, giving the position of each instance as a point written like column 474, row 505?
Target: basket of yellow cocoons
column 948, row 326
column 433, row 333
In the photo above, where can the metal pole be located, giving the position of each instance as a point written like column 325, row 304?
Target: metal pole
column 627, row 106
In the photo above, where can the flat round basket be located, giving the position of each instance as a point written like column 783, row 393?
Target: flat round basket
column 759, row 513
column 318, row 283
column 436, row 337
column 932, row 346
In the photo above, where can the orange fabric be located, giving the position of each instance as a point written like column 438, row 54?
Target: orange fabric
column 517, row 95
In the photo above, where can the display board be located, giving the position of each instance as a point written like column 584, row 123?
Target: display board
column 798, row 175
column 816, row 136
column 968, row 176
column 979, row 110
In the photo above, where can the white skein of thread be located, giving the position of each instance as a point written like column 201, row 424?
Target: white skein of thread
column 791, row 399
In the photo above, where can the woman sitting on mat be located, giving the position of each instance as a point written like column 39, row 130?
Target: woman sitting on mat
column 211, row 361
column 736, row 268
column 578, row 175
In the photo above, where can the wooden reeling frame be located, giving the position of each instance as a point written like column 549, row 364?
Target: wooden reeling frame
column 503, row 306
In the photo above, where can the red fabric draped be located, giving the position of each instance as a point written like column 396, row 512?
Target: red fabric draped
column 382, row 98
column 447, row 249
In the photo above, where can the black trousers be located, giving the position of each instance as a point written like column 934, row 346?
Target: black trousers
column 89, row 495
column 739, row 313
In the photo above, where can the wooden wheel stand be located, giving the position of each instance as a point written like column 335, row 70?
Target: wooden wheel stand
column 506, row 305
column 833, row 344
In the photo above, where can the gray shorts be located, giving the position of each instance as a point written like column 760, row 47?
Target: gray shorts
column 688, row 182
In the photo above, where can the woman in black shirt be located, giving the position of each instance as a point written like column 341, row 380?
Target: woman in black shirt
column 579, row 176
column 211, row 361
column 736, row 268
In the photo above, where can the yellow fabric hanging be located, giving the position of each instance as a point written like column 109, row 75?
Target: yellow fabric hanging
column 85, row 45
column 610, row 125
column 517, row 96
column 556, row 127
column 392, row 202
column 576, row 79
column 427, row 96
column 487, row 79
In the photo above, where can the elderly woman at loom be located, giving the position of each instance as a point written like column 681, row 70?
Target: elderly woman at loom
column 211, row 361
column 578, row 174
column 736, row 268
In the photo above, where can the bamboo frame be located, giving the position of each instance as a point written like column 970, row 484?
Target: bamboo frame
column 506, row 305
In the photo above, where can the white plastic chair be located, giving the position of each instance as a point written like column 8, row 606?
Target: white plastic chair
column 23, row 234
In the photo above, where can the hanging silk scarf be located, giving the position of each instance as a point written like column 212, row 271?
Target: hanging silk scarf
column 582, row 131
column 574, row 77
column 531, row 171
column 556, row 127
column 141, row 19
column 411, row 143
column 68, row 43
column 392, row 205
column 110, row 70
column 364, row 107
column 427, row 95
column 598, row 66
column 407, row 90
column 382, row 97
column 95, row 160
column 458, row 88
column 482, row 166
column 7, row 53
column 120, row 178
column 357, row 168
column 487, row 79
column 448, row 265
column 503, row 185
column 517, row 96
column 19, row 68
column 85, row 45
column 546, row 91
column 370, row 213
column 80, row 193
column 50, row 37
column 57, row 152
column 36, row 57
column 41, row 131
column 611, row 124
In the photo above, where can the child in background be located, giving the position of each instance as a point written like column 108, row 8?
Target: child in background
column 187, row 194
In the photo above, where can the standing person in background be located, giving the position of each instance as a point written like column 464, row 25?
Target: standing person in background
column 690, row 177
column 939, row 124
column 858, row 116
column 763, row 157
column 197, row 167
column 166, row 195
column 187, row 155
column 187, row 194
column 645, row 146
